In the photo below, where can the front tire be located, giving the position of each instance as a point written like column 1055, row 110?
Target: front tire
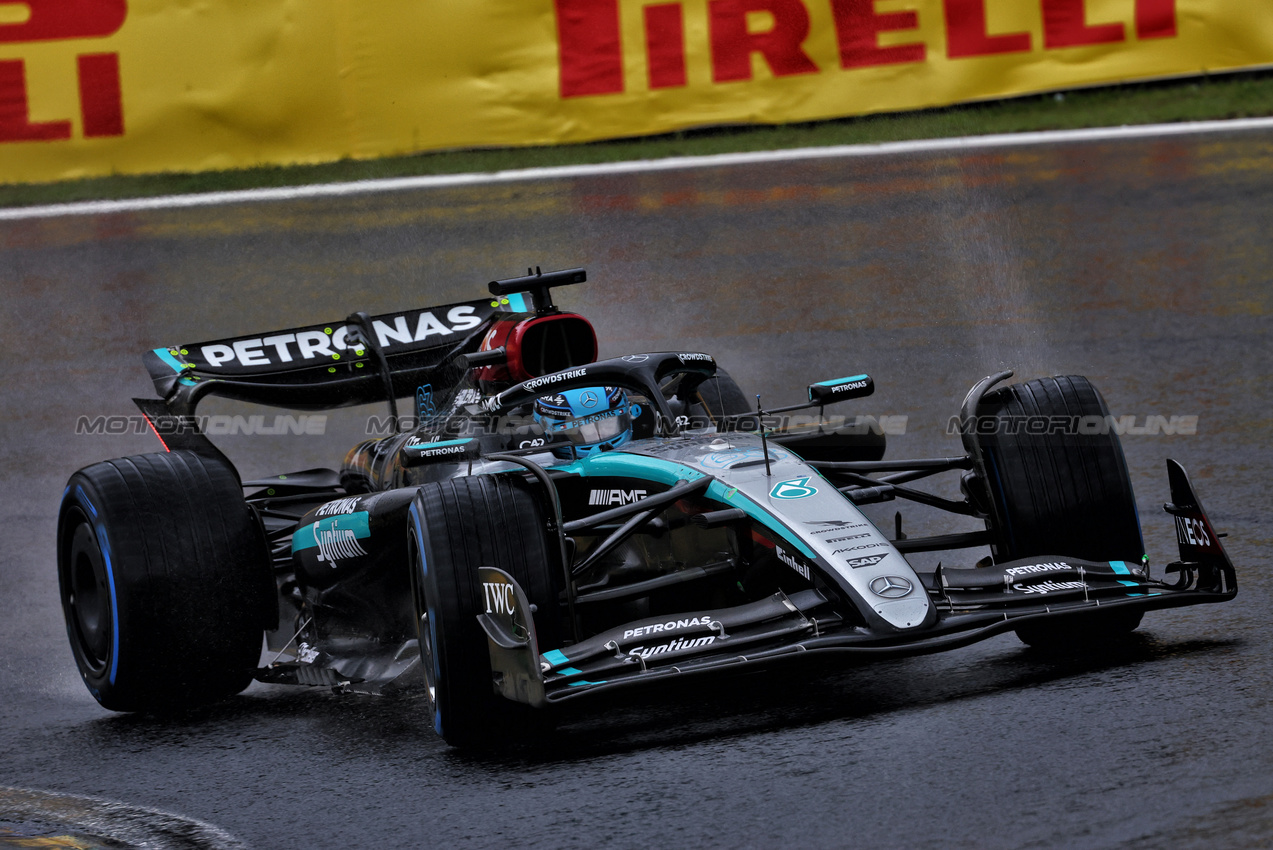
column 455, row 527
column 1057, row 485
column 165, row 581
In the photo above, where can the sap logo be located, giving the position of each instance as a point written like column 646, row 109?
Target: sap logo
column 500, row 597
column 615, row 497
column 790, row 561
column 340, row 506
column 868, row 561
column 1192, row 532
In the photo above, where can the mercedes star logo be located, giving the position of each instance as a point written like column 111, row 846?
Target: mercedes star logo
column 588, row 399
column 636, row 358
column 890, row 587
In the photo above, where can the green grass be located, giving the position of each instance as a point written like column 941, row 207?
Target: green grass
column 1232, row 96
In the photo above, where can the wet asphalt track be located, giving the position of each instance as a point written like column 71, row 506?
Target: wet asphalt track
column 1144, row 265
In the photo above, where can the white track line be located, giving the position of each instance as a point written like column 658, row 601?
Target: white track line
column 397, row 184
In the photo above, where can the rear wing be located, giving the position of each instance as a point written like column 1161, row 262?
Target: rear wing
column 358, row 360
column 324, row 366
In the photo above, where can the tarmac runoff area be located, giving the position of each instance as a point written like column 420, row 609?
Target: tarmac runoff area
column 40, row 819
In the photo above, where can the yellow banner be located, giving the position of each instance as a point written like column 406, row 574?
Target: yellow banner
column 92, row 87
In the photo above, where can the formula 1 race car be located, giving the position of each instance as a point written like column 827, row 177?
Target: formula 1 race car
column 551, row 526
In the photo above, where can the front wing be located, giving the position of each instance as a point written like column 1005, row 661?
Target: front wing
column 973, row 605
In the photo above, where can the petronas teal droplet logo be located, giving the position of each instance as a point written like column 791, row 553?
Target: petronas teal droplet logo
column 795, row 488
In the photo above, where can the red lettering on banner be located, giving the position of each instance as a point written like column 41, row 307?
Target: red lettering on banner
column 101, row 103
column 1065, row 25
column 15, row 121
column 966, row 32
column 733, row 44
column 1155, row 18
column 52, row 20
column 857, row 29
column 590, row 52
column 665, row 45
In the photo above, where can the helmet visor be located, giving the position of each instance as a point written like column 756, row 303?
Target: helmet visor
column 599, row 431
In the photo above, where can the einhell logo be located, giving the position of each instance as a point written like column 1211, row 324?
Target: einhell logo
column 591, row 50
column 101, row 104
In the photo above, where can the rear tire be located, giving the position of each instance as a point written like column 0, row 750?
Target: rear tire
column 455, row 527
column 165, row 581
column 1059, row 493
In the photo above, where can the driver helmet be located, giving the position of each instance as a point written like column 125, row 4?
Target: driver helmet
column 592, row 418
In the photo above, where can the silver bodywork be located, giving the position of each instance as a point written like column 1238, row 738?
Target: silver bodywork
column 815, row 526
column 821, row 525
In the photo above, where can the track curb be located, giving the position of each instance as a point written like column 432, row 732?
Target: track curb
column 112, row 824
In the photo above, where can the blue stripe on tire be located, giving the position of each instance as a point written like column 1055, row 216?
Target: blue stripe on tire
column 433, row 629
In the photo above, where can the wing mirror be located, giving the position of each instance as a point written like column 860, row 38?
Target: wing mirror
column 839, row 389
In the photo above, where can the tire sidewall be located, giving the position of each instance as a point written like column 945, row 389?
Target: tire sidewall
column 430, row 629
column 83, row 507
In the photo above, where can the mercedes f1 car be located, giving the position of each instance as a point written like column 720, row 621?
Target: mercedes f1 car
column 552, row 526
